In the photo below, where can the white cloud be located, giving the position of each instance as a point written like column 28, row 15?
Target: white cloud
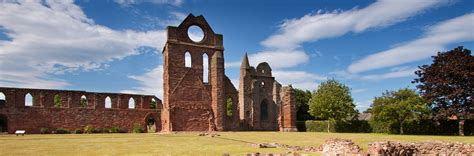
column 359, row 90
column 312, row 27
column 158, row 2
column 150, row 83
column 299, row 79
column 397, row 72
column 436, row 38
column 66, row 41
column 276, row 59
column 390, row 75
column 363, row 105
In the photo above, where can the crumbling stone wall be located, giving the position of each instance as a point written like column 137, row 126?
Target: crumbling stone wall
column 71, row 114
column 192, row 104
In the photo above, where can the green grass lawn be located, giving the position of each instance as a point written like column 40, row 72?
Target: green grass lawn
column 183, row 143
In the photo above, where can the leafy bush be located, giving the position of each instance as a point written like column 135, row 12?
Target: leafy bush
column 300, row 125
column 88, row 129
column 353, row 126
column 44, row 131
column 62, row 131
column 117, row 130
column 137, row 128
column 99, row 130
column 417, row 127
column 78, row 131
column 319, row 126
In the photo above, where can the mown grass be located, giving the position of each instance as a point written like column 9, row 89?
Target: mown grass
column 235, row 143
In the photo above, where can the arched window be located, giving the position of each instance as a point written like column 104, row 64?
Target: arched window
column 108, row 102
column 264, row 110
column 187, row 59
column 131, row 103
column 83, row 102
column 229, row 107
column 28, row 100
column 262, row 84
column 57, row 100
column 2, row 99
column 205, row 67
column 153, row 104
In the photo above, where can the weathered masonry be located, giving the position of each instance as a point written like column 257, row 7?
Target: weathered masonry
column 198, row 96
column 34, row 109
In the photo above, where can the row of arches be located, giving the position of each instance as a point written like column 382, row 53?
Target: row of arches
column 57, row 100
column 205, row 65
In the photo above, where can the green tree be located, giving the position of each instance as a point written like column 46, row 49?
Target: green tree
column 153, row 104
column 396, row 108
column 302, row 106
column 332, row 101
column 229, row 107
column 448, row 85
column 57, row 101
column 83, row 102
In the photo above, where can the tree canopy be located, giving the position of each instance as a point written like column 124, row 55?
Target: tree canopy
column 302, row 106
column 448, row 84
column 397, row 107
column 332, row 101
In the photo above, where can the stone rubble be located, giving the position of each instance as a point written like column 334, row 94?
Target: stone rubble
column 421, row 148
column 208, row 134
column 337, row 146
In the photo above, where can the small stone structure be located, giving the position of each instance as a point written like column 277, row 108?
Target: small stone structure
column 198, row 96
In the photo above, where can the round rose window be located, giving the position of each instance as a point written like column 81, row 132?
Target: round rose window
column 195, row 33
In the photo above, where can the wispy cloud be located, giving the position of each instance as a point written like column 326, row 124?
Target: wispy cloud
column 150, row 82
column 299, row 79
column 363, row 105
column 390, row 75
column 436, row 38
column 397, row 72
column 276, row 59
column 158, row 2
column 322, row 25
column 67, row 41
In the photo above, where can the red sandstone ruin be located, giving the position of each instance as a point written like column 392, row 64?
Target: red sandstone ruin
column 192, row 101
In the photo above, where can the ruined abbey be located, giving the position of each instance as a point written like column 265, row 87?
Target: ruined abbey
column 198, row 96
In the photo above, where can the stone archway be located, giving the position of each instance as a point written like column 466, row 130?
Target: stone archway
column 3, row 124
column 151, row 124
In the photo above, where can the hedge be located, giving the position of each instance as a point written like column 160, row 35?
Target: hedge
column 354, row 126
column 417, row 127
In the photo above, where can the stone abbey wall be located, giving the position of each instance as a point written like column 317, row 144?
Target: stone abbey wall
column 198, row 96
column 18, row 112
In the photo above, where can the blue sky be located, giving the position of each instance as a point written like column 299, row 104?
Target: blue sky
column 115, row 46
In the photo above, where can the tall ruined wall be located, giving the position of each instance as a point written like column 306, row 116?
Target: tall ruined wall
column 259, row 98
column 288, row 115
column 71, row 114
column 192, row 103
